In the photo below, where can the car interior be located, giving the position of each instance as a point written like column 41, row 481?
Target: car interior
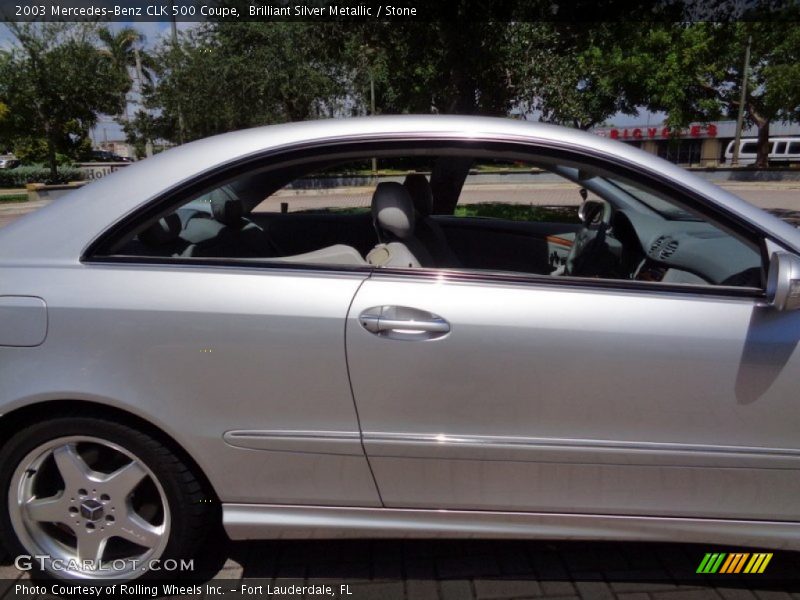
column 602, row 225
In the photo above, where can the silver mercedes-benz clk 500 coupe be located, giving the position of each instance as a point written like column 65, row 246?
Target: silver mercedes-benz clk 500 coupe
column 512, row 330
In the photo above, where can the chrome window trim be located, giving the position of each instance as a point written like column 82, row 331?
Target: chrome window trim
column 477, row 277
column 359, row 144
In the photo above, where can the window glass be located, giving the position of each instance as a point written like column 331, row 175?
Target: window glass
column 749, row 148
column 483, row 213
column 794, row 148
column 780, row 148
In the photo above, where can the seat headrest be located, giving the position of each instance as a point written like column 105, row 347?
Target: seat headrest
column 420, row 191
column 393, row 210
column 162, row 232
column 227, row 211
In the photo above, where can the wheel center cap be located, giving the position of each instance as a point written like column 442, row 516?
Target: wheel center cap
column 91, row 510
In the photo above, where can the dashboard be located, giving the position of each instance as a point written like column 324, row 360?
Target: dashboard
column 680, row 251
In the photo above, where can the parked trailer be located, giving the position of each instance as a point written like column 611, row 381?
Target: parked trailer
column 781, row 150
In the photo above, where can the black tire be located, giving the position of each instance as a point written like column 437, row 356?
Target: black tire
column 194, row 512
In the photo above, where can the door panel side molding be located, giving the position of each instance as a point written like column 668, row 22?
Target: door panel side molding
column 344, row 443
column 544, row 450
column 253, row 521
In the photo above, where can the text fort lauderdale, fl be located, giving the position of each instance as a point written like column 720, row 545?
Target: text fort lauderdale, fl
column 208, row 590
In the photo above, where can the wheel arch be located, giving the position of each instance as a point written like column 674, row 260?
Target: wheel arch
column 31, row 413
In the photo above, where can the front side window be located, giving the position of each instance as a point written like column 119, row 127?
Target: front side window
column 483, row 213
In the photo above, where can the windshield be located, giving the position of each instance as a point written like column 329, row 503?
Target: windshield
column 653, row 202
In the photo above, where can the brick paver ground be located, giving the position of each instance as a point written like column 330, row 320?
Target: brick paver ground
column 491, row 570
column 495, row 570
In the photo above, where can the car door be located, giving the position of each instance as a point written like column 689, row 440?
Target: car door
column 249, row 361
column 486, row 392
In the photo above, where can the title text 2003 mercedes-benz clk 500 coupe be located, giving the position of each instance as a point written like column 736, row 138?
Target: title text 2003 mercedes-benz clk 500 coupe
column 239, row 329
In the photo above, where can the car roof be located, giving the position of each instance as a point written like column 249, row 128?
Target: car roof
column 62, row 230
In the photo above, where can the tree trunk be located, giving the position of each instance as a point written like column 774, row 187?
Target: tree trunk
column 763, row 148
column 51, row 159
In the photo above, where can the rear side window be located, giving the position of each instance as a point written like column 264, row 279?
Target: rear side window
column 794, row 148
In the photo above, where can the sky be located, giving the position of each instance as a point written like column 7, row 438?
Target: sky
column 153, row 32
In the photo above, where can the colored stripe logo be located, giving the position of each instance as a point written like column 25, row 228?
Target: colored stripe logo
column 734, row 562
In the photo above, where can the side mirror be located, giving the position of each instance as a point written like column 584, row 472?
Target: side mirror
column 590, row 210
column 783, row 281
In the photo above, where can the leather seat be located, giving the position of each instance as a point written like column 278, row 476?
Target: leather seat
column 228, row 233
column 427, row 230
column 394, row 218
column 161, row 238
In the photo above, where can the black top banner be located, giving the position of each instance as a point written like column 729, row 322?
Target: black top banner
column 397, row 10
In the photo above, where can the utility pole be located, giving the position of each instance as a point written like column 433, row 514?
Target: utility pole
column 369, row 53
column 148, row 143
column 174, row 25
column 372, row 112
column 740, row 117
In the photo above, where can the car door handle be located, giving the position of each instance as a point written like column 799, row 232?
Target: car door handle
column 376, row 324
column 399, row 322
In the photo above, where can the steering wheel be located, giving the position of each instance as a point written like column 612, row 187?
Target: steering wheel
column 585, row 255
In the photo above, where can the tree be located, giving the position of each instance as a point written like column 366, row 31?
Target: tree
column 574, row 74
column 143, row 128
column 55, row 83
column 121, row 48
column 694, row 73
column 773, row 88
column 231, row 75
column 446, row 66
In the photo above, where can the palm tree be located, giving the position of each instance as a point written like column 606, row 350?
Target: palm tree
column 122, row 48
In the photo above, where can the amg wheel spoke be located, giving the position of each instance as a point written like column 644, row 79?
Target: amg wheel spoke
column 123, row 481
column 74, row 471
column 135, row 529
column 47, row 510
column 91, row 546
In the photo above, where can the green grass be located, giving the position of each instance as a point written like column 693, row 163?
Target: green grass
column 520, row 212
column 351, row 210
column 13, row 198
column 491, row 210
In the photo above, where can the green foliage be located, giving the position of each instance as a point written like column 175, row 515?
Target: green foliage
column 143, row 127
column 225, row 76
column 575, row 74
column 13, row 198
column 519, row 212
column 31, row 150
column 55, row 82
column 694, row 72
column 232, row 75
column 122, row 48
column 452, row 66
column 18, row 177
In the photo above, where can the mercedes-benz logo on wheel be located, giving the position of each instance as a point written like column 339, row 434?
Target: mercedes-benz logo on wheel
column 91, row 510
